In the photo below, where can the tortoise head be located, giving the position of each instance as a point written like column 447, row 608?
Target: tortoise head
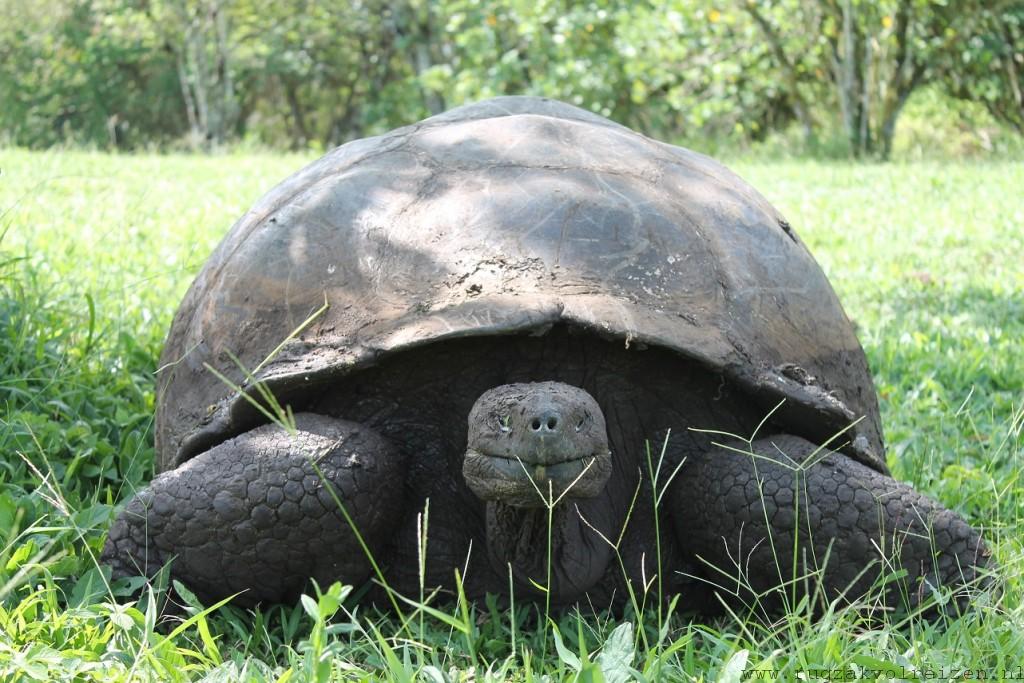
column 536, row 442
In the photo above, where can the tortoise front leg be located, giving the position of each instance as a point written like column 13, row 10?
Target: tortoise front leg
column 253, row 515
column 790, row 514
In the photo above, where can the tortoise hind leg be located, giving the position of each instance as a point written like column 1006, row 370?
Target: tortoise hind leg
column 253, row 515
column 791, row 514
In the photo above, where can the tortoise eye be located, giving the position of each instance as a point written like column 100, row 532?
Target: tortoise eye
column 584, row 421
column 503, row 424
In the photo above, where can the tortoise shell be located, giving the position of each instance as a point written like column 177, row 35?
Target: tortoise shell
column 507, row 217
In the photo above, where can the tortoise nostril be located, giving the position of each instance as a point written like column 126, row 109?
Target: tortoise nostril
column 546, row 422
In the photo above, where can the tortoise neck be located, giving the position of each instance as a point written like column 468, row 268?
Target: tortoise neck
column 525, row 539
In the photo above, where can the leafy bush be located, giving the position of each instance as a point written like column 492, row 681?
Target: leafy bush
column 306, row 74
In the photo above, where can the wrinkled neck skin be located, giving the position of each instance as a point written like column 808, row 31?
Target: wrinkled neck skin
column 518, row 537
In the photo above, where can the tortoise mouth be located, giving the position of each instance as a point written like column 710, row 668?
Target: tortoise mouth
column 527, row 481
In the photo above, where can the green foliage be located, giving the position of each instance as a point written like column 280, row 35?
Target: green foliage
column 986, row 64
column 312, row 74
column 89, row 72
column 935, row 125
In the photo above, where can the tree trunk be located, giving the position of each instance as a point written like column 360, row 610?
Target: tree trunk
column 417, row 26
column 800, row 108
column 186, row 95
column 423, row 61
column 300, row 133
column 201, row 46
column 1014, row 80
column 844, row 70
column 227, row 105
column 865, row 134
column 889, row 117
column 852, row 68
column 200, row 84
column 906, row 75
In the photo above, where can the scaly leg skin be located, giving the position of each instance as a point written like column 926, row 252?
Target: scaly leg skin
column 252, row 514
column 851, row 525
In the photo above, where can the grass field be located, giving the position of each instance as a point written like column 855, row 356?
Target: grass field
column 97, row 251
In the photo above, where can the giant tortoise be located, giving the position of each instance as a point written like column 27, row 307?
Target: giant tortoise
column 519, row 314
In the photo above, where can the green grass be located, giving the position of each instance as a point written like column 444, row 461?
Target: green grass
column 98, row 250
